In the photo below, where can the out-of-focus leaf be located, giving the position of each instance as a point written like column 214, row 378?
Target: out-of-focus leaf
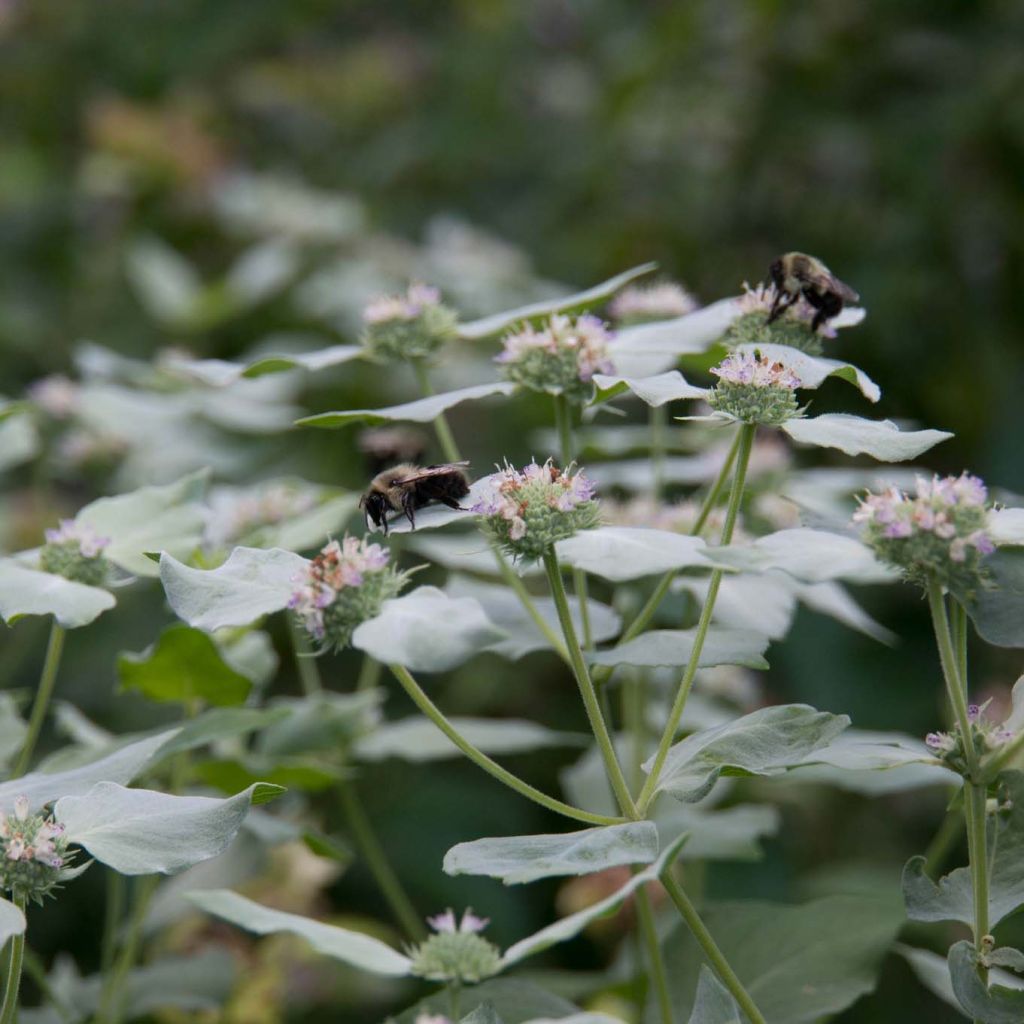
column 932, row 971
column 834, row 600
column 221, row 724
column 416, row 739
column 12, row 728
column 253, row 582
column 323, row 721
column 517, row 859
column 19, row 438
column 25, row 591
column 12, row 920
column 881, row 439
column 997, row 608
column 712, row 1003
column 996, row 1004
column 166, row 283
column 477, row 330
column 674, row 647
column 1006, row 526
column 184, row 665
column 655, row 390
column 813, row 371
column 219, row 373
column 730, row 833
column 142, row 832
column 423, row 410
column 625, row 553
column 427, row 631
column 517, row 1002
column 463, row 552
column 766, row 742
column 362, row 951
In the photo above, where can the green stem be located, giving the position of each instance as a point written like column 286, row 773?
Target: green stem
column 634, row 717
column 111, row 1008
column 645, row 918
column 479, row 758
column 111, row 919
column 509, row 575
column 659, row 423
column 586, row 687
column 746, row 441
column 376, row 860
column 716, row 958
column 305, row 662
column 369, row 674
column 47, row 680
column 644, row 616
column 9, row 1010
column 445, row 437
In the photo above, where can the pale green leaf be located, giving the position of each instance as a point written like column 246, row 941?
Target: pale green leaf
column 997, row 608
column 997, row 1004
column 222, row 724
column 1006, row 526
column 674, row 647
column 354, row 948
column 517, row 859
column 12, row 921
column 12, row 728
column 730, row 833
column 515, row 1001
column 655, row 390
column 166, row 283
column 881, row 439
column 712, row 1003
column 813, row 371
column 25, row 591
column 932, row 971
column 19, row 437
column 621, row 553
column 463, row 552
column 220, row 373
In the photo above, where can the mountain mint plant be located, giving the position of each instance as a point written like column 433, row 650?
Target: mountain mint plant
column 408, row 327
column 75, row 551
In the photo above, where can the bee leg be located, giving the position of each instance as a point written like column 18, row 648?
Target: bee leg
column 409, row 508
column 452, row 503
column 783, row 300
column 829, row 305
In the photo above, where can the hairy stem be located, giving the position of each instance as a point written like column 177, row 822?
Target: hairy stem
column 479, row 758
column 305, row 662
column 369, row 674
column 746, row 439
column 47, row 680
column 12, row 984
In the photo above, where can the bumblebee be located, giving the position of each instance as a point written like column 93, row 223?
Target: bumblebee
column 796, row 274
column 406, row 488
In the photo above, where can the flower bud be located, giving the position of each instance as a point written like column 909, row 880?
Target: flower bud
column 75, row 551
column 528, row 512
column 640, row 304
column 753, row 389
column 560, row 358
column 987, row 737
column 341, row 588
column 33, row 853
column 410, row 326
column 791, row 327
column 456, row 952
column 939, row 534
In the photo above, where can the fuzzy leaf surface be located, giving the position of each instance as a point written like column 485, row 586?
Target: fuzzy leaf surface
column 722, row 646
column 997, row 1004
column 621, row 553
column 25, row 591
column 881, row 439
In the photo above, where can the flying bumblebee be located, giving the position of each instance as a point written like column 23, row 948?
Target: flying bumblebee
column 406, row 488
column 796, row 274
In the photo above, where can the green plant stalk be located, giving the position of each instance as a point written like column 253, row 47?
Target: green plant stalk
column 707, row 943
column 746, row 437
column 645, row 918
column 481, row 760
column 586, row 688
column 111, row 1009
column 9, row 1010
column 445, row 437
column 602, row 674
column 373, row 853
column 369, row 674
column 658, row 418
column 47, row 681
column 942, row 842
column 305, row 662
column 113, row 911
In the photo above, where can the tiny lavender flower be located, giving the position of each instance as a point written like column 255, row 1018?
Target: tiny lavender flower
column 345, row 585
column 456, row 953
column 560, row 358
column 75, row 551
column 409, row 326
column 987, row 737
column 528, row 512
column 33, row 853
column 755, row 389
column 640, row 304
column 939, row 533
column 793, row 327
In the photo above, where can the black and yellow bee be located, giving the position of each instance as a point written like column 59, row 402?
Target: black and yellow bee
column 796, row 274
column 406, row 488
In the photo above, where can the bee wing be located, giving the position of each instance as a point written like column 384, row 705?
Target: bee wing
column 430, row 471
column 843, row 290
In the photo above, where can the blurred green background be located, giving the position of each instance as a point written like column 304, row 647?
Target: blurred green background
column 886, row 138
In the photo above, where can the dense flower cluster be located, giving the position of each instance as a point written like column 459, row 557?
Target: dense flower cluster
column 987, row 737
column 560, row 358
column 57, row 395
column 243, row 517
column 793, row 327
column 755, row 389
column 409, row 326
column 33, row 852
column 527, row 512
column 75, row 551
column 640, row 304
column 940, row 533
column 342, row 587
column 456, row 951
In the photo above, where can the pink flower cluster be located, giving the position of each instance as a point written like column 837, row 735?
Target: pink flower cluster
column 37, row 842
column 660, row 301
column 401, row 307
column 586, row 337
column 756, row 370
column 89, row 542
column 446, row 922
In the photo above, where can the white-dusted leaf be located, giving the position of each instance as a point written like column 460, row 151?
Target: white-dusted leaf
column 810, row 555
column 713, row 1004
column 12, row 921
column 166, row 518
column 423, row 410
column 417, row 739
column 219, row 373
column 813, row 371
column 311, row 529
column 12, row 728
column 685, row 335
column 427, row 631
column 834, row 600
column 253, row 582
column 932, row 971
column 121, row 766
column 881, row 439
column 1006, row 526
column 763, row 604
column 571, row 926
column 166, row 282
column 522, row 635
column 517, row 859
column 655, row 390
column 626, row 553
column 674, row 646
column 636, row 475
column 488, row 326
column 261, row 271
column 463, row 552
column 25, row 591
column 19, row 437
column 143, row 832
column 730, row 833
column 988, row 1003
column 362, row 951
column 766, row 742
